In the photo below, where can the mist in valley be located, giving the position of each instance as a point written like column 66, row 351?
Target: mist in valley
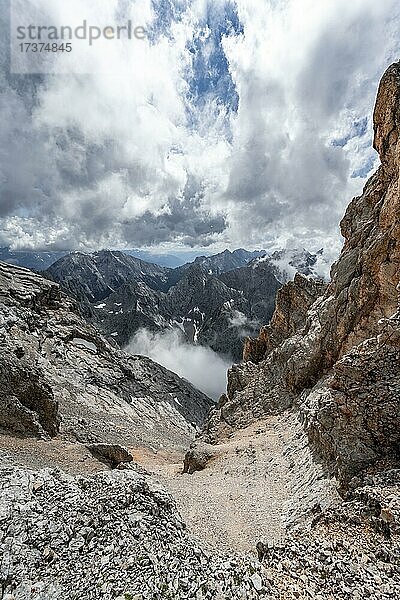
column 200, row 365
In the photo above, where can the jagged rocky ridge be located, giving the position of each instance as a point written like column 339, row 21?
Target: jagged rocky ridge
column 215, row 301
column 338, row 363
column 58, row 373
column 293, row 301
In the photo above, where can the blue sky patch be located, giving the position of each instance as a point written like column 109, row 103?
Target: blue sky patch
column 364, row 170
column 210, row 70
column 358, row 129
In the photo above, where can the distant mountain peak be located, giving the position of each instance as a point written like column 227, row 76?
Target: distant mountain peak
column 287, row 262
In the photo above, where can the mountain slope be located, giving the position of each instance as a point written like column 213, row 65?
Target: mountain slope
column 206, row 309
column 259, row 283
column 216, row 301
column 121, row 294
column 55, row 366
column 37, row 261
column 97, row 275
column 200, row 305
column 132, row 307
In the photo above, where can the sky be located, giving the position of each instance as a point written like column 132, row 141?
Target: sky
column 236, row 123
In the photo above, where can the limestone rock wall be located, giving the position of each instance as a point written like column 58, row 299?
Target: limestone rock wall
column 339, row 362
column 58, row 374
column 293, row 301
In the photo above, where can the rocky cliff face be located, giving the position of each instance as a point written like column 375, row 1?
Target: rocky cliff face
column 293, row 301
column 339, row 363
column 353, row 416
column 54, row 367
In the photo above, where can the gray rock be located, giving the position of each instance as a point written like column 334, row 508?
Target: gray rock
column 113, row 454
column 197, row 457
column 55, row 366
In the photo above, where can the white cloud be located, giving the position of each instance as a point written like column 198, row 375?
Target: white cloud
column 305, row 71
column 133, row 158
column 205, row 369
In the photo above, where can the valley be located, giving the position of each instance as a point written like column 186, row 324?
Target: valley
column 120, row 480
column 215, row 301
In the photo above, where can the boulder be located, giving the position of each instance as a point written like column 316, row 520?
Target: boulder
column 112, row 454
column 198, row 457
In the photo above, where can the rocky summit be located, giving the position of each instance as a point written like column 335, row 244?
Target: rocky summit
column 120, row 481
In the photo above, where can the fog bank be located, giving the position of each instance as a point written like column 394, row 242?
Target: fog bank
column 203, row 367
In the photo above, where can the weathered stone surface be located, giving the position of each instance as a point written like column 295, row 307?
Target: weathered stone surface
column 354, row 418
column 113, row 535
column 53, row 364
column 197, row 457
column 27, row 403
column 113, row 454
column 118, row 535
column 293, row 301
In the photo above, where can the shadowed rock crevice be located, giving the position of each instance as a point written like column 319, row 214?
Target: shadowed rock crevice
column 27, row 403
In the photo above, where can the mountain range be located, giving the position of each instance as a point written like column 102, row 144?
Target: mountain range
column 215, row 301
column 37, row 261
column 119, row 480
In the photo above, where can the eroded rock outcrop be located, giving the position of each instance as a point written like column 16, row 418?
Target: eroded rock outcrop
column 340, row 364
column 55, row 367
column 27, row 403
column 198, row 457
column 293, row 301
column 112, row 454
column 354, row 417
